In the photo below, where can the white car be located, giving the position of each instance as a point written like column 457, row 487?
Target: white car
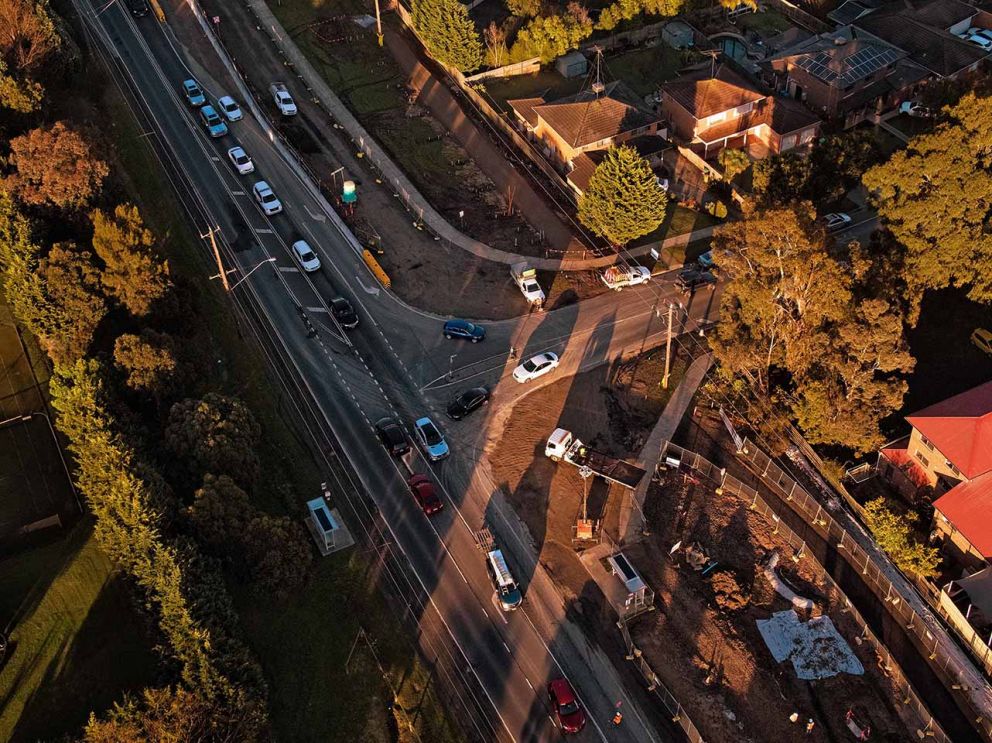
column 305, row 256
column 536, row 366
column 266, row 198
column 241, row 160
column 836, row 221
column 230, row 108
column 283, row 100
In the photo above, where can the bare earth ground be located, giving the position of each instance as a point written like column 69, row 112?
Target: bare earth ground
column 752, row 696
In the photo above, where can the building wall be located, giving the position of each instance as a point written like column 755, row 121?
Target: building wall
column 930, row 459
column 955, row 543
column 564, row 152
column 682, row 123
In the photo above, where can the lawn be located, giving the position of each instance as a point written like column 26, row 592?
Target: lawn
column 545, row 82
column 644, row 70
column 302, row 643
column 768, row 23
column 76, row 641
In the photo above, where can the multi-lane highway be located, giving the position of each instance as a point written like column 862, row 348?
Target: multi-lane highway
column 397, row 362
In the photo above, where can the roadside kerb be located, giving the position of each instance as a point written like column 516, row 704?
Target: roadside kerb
column 960, row 676
column 913, row 711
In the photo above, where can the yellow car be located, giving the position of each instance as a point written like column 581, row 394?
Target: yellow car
column 983, row 339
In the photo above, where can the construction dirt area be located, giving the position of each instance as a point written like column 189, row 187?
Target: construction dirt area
column 703, row 638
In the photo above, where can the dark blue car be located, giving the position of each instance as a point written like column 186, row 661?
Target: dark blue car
column 464, row 329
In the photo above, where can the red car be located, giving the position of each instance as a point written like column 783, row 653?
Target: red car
column 569, row 712
column 423, row 490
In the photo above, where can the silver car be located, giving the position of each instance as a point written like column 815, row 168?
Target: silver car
column 305, row 256
column 241, row 160
column 266, row 198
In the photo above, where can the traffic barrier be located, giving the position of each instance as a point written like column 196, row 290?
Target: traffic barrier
column 376, row 269
column 157, row 10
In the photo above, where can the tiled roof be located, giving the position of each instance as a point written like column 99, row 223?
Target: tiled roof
column 525, row 108
column 585, row 118
column 968, row 506
column 703, row 96
column 941, row 14
column 583, row 166
column 928, row 46
column 961, row 429
column 782, row 115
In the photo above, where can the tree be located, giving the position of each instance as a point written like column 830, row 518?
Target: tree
column 274, row 551
column 29, row 35
column 548, row 37
column 149, row 360
column 734, row 162
column 623, row 200
column 795, row 314
column 733, row 4
column 448, row 33
column 496, row 52
column 170, row 715
column 21, row 96
column 218, row 433
column 933, row 197
column 894, row 534
column 624, row 10
column 72, row 290
column 55, row 166
column 132, row 271
column 524, row 8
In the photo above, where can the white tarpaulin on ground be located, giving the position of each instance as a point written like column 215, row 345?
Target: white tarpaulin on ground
column 816, row 649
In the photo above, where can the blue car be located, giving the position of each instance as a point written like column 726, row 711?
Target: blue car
column 212, row 120
column 430, row 439
column 464, row 329
column 193, row 93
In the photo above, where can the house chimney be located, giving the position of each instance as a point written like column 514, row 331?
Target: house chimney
column 840, row 41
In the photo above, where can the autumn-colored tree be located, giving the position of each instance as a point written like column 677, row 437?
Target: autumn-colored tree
column 524, row 8
column 29, row 35
column 218, row 433
column 132, row 271
column 149, row 360
column 734, row 162
column 170, row 715
column 22, row 96
column 894, row 534
column 623, row 200
column 624, row 10
column 548, row 37
column 72, row 289
column 448, row 33
column 55, row 165
column 797, row 323
column 933, row 196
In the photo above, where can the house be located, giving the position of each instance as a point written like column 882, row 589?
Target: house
column 710, row 112
column 651, row 148
column 950, row 450
column 592, row 120
column 843, row 76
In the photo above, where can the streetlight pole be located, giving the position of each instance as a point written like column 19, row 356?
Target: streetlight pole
column 235, row 285
column 451, row 363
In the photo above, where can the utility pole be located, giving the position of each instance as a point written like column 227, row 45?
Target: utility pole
column 668, row 348
column 378, row 22
column 220, row 264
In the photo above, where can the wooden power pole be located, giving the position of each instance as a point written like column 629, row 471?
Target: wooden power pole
column 668, row 348
column 220, row 265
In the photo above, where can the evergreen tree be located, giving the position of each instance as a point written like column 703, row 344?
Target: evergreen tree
column 623, row 200
column 132, row 271
column 218, row 433
column 549, row 37
column 734, row 162
column 149, row 360
column 72, row 290
column 448, row 33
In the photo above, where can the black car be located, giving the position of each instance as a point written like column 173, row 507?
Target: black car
column 344, row 313
column 138, row 8
column 392, row 436
column 468, row 401
column 691, row 279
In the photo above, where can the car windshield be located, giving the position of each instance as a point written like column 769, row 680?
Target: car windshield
column 241, row 158
column 531, row 364
column 569, row 708
column 269, row 197
column 306, row 255
column 431, row 435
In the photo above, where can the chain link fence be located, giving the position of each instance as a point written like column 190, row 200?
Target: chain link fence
column 911, row 708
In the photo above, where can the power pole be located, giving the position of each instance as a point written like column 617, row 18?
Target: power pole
column 378, row 22
column 220, row 265
column 668, row 348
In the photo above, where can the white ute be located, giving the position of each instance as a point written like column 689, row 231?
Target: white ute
column 617, row 277
column 526, row 279
column 284, row 101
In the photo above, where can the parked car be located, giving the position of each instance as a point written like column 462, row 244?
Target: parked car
column 392, row 436
column 916, row 110
column 241, row 161
column 305, row 256
column 691, row 279
column 344, row 313
column 138, row 8
column 266, row 198
column 425, row 493
column 464, row 329
column 836, row 221
column 230, row 108
column 467, row 402
column 430, row 439
column 569, row 713
column 982, row 338
column 215, row 125
column 536, row 366
column 193, row 92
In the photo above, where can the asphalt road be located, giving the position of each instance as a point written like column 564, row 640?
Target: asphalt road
column 397, row 362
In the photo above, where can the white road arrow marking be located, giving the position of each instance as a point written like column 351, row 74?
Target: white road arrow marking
column 373, row 290
column 315, row 217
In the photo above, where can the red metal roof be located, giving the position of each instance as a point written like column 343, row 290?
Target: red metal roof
column 968, row 506
column 961, row 428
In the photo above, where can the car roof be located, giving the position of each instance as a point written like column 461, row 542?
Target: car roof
column 261, row 186
column 419, row 478
column 301, row 245
column 237, row 150
column 424, row 422
column 387, row 421
column 226, row 99
column 191, row 83
column 563, row 691
column 340, row 302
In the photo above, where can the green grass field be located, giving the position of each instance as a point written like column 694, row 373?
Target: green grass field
column 76, row 641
